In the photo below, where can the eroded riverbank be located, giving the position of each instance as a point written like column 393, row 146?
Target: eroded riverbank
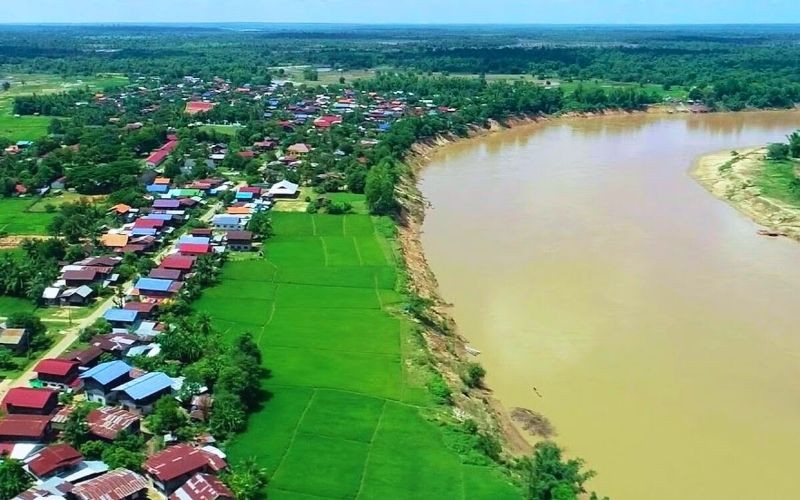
column 583, row 261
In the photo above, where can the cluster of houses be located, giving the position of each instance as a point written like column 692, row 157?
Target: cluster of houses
column 79, row 282
column 34, row 419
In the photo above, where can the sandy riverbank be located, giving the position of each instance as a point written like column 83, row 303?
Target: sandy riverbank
column 733, row 178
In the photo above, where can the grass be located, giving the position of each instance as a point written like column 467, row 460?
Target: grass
column 16, row 217
column 779, row 180
column 348, row 414
column 229, row 130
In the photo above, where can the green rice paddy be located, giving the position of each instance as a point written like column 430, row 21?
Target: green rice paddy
column 16, row 217
column 348, row 415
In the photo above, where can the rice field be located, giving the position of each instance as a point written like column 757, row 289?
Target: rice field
column 16, row 217
column 348, row 414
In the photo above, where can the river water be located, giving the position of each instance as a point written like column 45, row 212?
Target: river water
column 660, row 330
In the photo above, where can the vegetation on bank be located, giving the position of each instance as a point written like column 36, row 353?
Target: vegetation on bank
column 779, row 178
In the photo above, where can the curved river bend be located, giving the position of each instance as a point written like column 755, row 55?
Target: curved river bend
column 660, row 330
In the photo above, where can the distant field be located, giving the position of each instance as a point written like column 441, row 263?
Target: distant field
column 221, row 129
column 15, row 219
column 349, row 414
column 33, row 127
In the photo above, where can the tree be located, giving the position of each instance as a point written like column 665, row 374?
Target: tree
column 794, row 144
column 76, row 429
column 552, row 478
column 777, row 151
column 7, row 360
column 6, row 85
column 167, row 416
column 227, row 415
column 13, row 478
column 379, row 189
column 473, row 374
column 247, row 480
column 261, row 224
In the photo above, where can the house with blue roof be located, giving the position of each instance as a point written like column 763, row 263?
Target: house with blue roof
column 154, row 287
column 244, row 195
column 229, row 222
column 99, row 381
column 157, row 188
column 121, row 318
column 140, row 394
column 194, row 240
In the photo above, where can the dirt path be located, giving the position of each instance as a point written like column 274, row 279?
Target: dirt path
column 733, row 179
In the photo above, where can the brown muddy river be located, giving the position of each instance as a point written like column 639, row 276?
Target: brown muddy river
column 660, row 330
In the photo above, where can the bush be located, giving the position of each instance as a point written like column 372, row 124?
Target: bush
column 439, row 389
column 778, row 151
column 473, row 374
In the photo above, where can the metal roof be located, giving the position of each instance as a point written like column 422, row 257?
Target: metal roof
column 122, row 315
column 105, row 373
column 146, row 385
column 153, row 284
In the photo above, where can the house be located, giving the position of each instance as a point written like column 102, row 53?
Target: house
column 299, row 148
column 158, row 156
column 28, row 428
column 77, row 296
column 200, row 231
column 201, row 405
column 327, row 121
column 107, row 422
column 120, row 209
column 162, row 180
column 119, row 484
column 169, row 469
column 85, row 276
column 149, row 223
column 54, row 459
column 145, row 309
column 244, row 195
column 151, row 287
column 121, row 318
column 117, row 344
column 111, row 240
column 195, row 240
column 284, row 189
column 180, row 262
column 61, row 374
column 240, row 241
column 14, row 339
column 166, row 204
column 229, row 222
column 29, row 401
column 157, row 188
column 161, row 273
column 140, row 394
column 85, row 357
column 99, row 381
column 202, row 487
column 194, row 248
column 239, row 210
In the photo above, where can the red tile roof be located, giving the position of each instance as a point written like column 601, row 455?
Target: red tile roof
column 55, row 367
column 194, row 107
column 115, row 485
column 181, row 459
column 53, row 458
column 24, row 397
column 108, row 421
column 24, row 426
column 182, row 262
column 202, row 487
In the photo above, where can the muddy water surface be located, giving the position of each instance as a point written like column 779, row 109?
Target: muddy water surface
column 660, row 330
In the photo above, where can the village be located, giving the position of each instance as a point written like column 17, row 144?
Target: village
column 194, row 208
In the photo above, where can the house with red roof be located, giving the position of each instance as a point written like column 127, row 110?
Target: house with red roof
column 327, row 121
column 61, row 374
column 16, row 428
column 158, row 156
column 119, row 484
column 29, row 401
column 180, row 262
column 169, row 469
column 194, row 249
column 53, row 460
column 107, row 422
column 202, row 487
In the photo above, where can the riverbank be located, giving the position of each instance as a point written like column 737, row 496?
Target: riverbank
column 735, row 177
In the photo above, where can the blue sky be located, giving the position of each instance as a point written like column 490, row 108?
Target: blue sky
column 406, row 11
